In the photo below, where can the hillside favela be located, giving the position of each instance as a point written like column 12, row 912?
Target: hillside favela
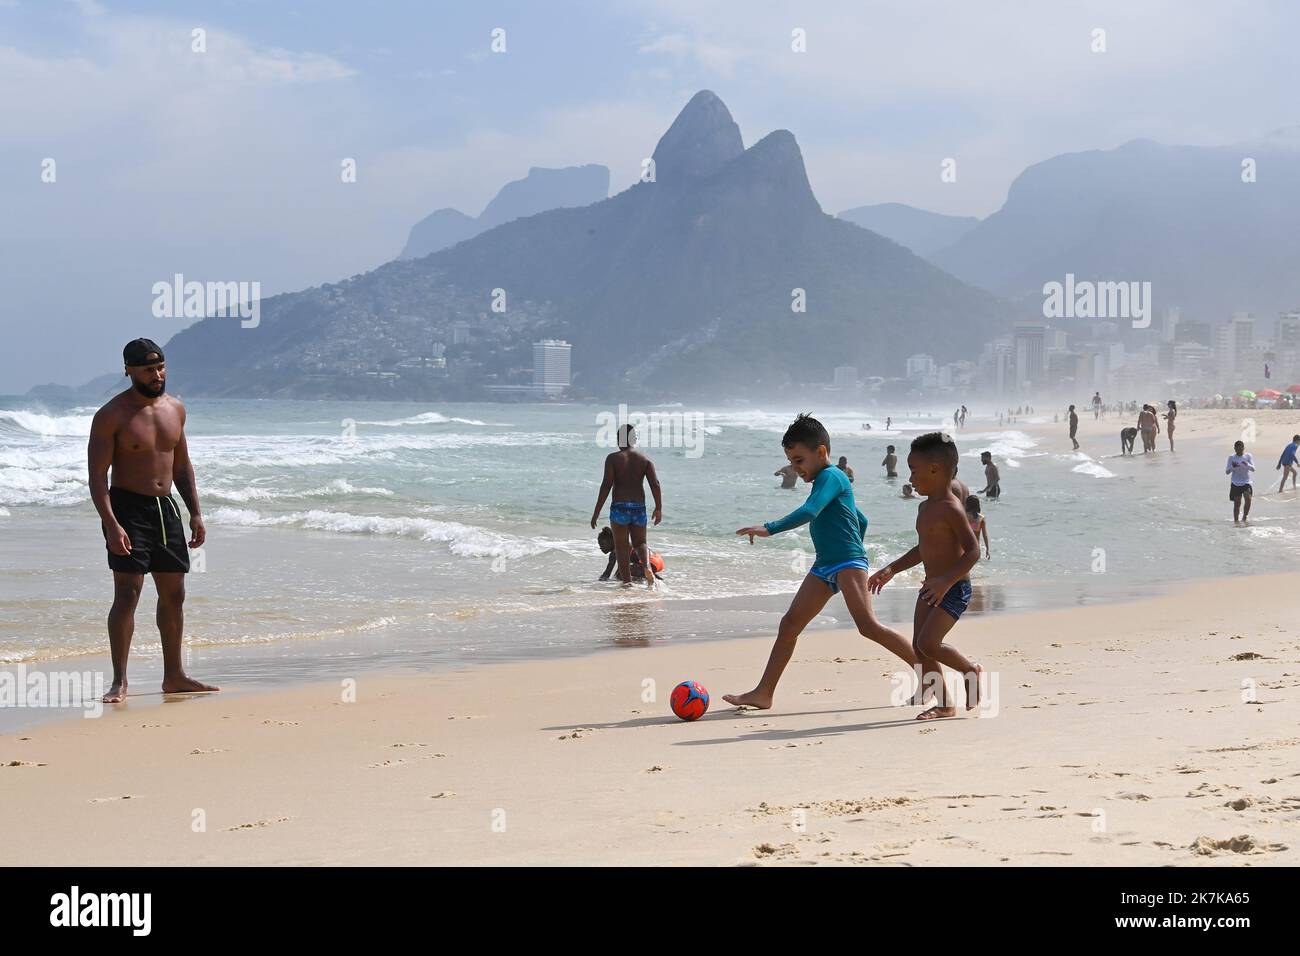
column 503, row 436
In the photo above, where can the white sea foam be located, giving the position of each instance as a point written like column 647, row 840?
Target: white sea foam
column 49, row 425
column 431, row 418
column 462, row 540
column 335, row 488
column 1088, row 466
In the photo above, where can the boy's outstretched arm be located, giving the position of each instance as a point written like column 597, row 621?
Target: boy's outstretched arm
column 881, row 577
column 605, row 487
column 609, row 568
column 654, row 490
column 823, row 493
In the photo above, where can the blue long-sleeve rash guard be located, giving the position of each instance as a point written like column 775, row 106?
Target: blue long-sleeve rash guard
column 836, row 525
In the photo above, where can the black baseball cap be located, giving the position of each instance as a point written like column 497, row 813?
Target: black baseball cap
column 137, row 352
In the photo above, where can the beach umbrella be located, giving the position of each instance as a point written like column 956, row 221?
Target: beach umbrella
column 1293, row 389
column 1246, row 393
column 1269, row 393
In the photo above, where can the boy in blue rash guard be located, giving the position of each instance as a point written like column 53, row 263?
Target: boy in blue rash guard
column 837, row 527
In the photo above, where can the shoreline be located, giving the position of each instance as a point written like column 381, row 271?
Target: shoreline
column 261, row 669
column 1156, row 759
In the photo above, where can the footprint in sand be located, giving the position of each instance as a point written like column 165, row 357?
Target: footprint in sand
column 281, row 723
column 1245, row 844
column 386, row 763
column 127, row 796
column 258, row 824
column 766, row 851
column 22, row 763
column 214, row 750
column 578, row 732
column 442, row 794
column 655, row 769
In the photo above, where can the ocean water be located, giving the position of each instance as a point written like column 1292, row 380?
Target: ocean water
column 404, row 534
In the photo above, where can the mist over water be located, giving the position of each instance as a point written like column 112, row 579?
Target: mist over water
column 397, row 533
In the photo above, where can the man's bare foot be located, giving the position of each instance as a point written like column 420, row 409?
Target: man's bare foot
column 755, row 698
column 937, row 713
column 185, row 684
column 973, row 688
column 116, row 693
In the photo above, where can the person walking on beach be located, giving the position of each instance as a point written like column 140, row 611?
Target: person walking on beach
column 837, row 528
column 1148, row 425
column 1288, row 463
column 963, row 417
column 626, row 471
column 139, row 435
column 977, row 523
column 1240, row 465
column 1169, row 421
column 992, row 480
column 890, row 462
column 1096, row 405
column 889, row 423
column 1074, row 427
column 948, row 549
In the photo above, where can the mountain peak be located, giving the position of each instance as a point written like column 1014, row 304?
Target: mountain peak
column 702, row 140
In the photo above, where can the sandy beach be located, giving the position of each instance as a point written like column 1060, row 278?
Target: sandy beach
column 1161, row 732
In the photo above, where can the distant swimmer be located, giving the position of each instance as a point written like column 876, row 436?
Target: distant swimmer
column 1127, row 436
column 1240, row 465
column 788, row 476
column 1288, row 462
column 889, row 423
column 890, row 463
column 907, row 491
column 140, row 436
column 992, row 480
column 625, row 472
column 977, row 523
column 606, row 542
column 1169, row 421
column 866, row 426
column 843, row 465
column 1074, row 427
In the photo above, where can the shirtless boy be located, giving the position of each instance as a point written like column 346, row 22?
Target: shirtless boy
column 140, row 435
column 626, row 471
column 948, row 549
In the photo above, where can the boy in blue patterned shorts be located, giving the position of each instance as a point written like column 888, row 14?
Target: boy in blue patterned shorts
column 626, row 470
column 948, row 549
column 837, row 527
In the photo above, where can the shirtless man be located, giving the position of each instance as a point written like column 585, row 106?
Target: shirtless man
column 890, row 462
column 140, row 435
column 625, row 472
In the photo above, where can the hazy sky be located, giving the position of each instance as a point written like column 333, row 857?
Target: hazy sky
column 224, row 165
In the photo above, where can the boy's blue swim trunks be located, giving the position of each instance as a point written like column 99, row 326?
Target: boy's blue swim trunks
column 627, row 512
column 957, row 599
column 830, row 572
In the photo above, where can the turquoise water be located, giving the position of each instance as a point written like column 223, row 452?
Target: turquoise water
column 459, row 533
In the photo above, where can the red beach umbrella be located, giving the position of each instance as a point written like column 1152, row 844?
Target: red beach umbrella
column 1268, row 393
column 1293, row 389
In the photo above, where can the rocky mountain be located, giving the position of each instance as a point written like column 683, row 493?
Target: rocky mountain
column 1180, row 217
column 690, row 284
column 540, row 190
column 921, row 231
